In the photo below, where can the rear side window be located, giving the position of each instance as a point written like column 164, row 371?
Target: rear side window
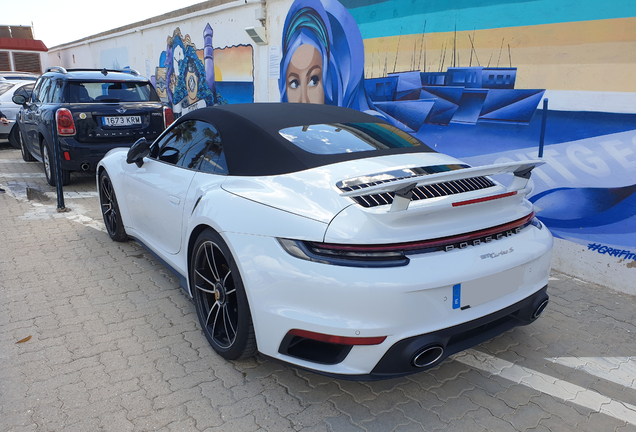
column 109, row 91
column 193, row 145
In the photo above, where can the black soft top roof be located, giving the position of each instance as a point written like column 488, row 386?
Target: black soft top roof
column 253, row 145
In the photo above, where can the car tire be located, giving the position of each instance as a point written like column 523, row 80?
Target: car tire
column 49, row 166
column 220, row 299
column 110, row 209
column 26, row 154
column 14, row 138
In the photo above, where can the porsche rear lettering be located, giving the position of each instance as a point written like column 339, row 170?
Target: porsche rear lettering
column 482, row 240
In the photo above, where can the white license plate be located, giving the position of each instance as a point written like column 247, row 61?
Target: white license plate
column 482, row 290
column 121, row 121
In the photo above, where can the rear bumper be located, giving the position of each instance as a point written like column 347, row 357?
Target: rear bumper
column 399, row 360
column 86, row 156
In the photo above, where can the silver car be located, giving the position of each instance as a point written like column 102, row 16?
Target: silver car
column 9, row 88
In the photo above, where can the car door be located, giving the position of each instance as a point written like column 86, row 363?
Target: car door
column 156, row 192
column 27, row 118
column 34, row 116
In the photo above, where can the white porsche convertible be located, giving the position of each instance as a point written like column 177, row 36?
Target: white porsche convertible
column 327, row 238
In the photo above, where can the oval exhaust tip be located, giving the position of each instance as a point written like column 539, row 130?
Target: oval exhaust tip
column 428, row 356
column 538, row 311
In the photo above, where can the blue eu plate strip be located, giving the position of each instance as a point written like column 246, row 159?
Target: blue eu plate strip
column 457, row 294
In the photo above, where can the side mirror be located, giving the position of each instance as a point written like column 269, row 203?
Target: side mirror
column 19, row 99
column 139, row 150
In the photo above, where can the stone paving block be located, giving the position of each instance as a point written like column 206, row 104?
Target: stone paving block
column 426, row 379
column 252, row 388
column 318, row 394
column 494, row 405
column 427, row 420
column 600, row 422
column 136, row 404
column 517, row 396
column 411, row 427
column 386, row 421
column 358, row 390
column 243, row 424
column 110, row 391
column 263, row 369
column 269, row 419
column 452, row 389
column 160, row 418
column 217, row 393
column 556, row 423
column 342, row 423
column 292, row 382
column 526, row 416
column 285, row 403
column 490, row 422
column 627, row 428
column 170, row 367
column 463, row 424
column 190, row 380
column 313, row 415
column 49, row 416
column 570, row 414
column 454, row 409
column 203, row 413
column 240, row 408
column 152, row 383
column 426, row 398
column 345, row 403
column 489, row 385
column 116, row 422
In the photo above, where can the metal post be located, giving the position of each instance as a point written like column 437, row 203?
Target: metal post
column 58, row 169
column 544, row 118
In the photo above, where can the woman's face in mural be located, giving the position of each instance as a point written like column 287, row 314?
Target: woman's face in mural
column 304, row 76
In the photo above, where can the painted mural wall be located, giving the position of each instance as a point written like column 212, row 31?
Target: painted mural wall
column 469, row 79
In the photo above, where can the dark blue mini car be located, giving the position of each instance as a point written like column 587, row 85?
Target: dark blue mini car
column 90, row 112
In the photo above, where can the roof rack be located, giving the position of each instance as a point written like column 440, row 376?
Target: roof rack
column 59, row 69
column 130, row 71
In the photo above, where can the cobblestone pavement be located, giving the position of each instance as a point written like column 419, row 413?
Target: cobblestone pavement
column 115, row 345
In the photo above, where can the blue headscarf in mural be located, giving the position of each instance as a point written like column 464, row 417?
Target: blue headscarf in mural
column 329, row 27
column 192, row 66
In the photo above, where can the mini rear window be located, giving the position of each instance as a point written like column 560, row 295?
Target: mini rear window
column 101, row 92
column 339, row 138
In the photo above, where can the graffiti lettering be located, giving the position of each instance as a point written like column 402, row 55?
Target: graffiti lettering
column 618, row 253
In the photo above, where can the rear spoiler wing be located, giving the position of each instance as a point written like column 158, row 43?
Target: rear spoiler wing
column 403, row 188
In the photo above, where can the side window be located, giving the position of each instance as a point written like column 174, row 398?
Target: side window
column 192, row 144
column 213, row 160
column 36, row 92
column 55, row 93
column 43, row 96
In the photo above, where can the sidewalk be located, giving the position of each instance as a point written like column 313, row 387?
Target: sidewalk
column 115, row 346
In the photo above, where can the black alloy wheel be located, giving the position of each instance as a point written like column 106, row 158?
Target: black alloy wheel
column 110, row 209
column 220, row 298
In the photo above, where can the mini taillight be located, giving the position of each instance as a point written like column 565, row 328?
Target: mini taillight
column 168, row 116
column 65, row 123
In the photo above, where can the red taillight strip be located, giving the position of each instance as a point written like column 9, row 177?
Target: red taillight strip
column 488, row 198
column 425, row 244
column 340, row 340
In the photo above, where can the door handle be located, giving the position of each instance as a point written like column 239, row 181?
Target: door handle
column 173, row 199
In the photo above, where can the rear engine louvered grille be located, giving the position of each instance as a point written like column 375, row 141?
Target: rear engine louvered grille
column 423, row 192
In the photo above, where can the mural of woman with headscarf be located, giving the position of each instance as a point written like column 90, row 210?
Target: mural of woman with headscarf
column 323, row 56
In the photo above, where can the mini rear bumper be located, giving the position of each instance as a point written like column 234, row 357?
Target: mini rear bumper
column 86, row 156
